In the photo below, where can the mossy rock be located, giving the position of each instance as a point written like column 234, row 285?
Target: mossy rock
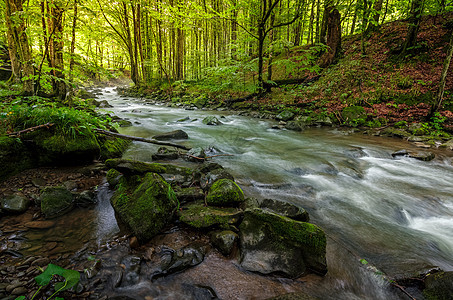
column 225, row 192
column 224, row 240
column 439, row 286
column 55, row 201
column 279, row 207
column 112, row 147
column 394, row 132
column 113, row 177
column 14, row 157
column 271, row 243
column 285, row 115
column 211, row 120
column 146, row 209
column 200, row 216
column 15, row 204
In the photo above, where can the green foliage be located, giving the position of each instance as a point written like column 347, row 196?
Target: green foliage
column 71, row 279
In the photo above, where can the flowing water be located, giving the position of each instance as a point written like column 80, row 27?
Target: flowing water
column 384, row 217
column 397, row 214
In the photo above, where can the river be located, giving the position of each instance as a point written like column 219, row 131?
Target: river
column 395, row 214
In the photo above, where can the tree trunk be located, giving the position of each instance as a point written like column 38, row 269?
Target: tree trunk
column 12, row 44
column 443, row 78
column 374, row 24
column 57, row 42
column 72, row 50
column 414, row 25
column 333, row 38
column 18, row 45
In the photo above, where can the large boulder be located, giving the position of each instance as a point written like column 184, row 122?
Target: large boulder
column 176, row 134
column 200, row 216
column 56, row 201
column 15, row 204
column 271, row 243
column 279, row 207
column 129, row 166
column 439, row 286
column 146, row 209
column 225, row 192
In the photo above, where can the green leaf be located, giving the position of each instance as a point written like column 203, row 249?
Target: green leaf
column 47, row 275
column 363, row 261
column 20, row 298
column 72, row 277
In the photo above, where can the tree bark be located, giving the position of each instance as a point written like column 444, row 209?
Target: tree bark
column 443, row 78
column 333, row 39
column 414, row 25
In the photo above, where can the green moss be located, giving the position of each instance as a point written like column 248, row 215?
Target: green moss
column 199, row 216
column 264, row 228
column 225, row 192
column 147, row 208
column 113, row 177
column 303, row 233
column 112, row 147
column 55, row 201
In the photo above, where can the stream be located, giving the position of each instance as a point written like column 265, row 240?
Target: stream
column 384, row 217
column 397, row 214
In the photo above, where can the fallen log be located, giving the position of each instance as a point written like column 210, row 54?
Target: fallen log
column 139, row 139
column 31, row 129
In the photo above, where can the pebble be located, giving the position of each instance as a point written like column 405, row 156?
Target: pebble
column 19, row 291
column 41, row 262
column 15, row 284
column 40, row 224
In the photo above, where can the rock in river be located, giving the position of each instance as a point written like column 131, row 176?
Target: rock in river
column 271, row 243
column 211, row 120
column 55, row 201
column 176, row 134
column 225, row 192
column 147, row 208
column 15, row 204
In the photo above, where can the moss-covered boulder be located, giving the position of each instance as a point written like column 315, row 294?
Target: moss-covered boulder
column 271, row 243
column 112, row 147
column 225, row 192
column 394, row 132
column 146, row 208
column 113, row 177
column 211, row 120
column 14, row 157
column 200, row 216
column 55, row 201
column 439, row 286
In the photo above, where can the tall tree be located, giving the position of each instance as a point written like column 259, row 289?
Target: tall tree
column 18, row 46
column 443, row 77
column 415, row 17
